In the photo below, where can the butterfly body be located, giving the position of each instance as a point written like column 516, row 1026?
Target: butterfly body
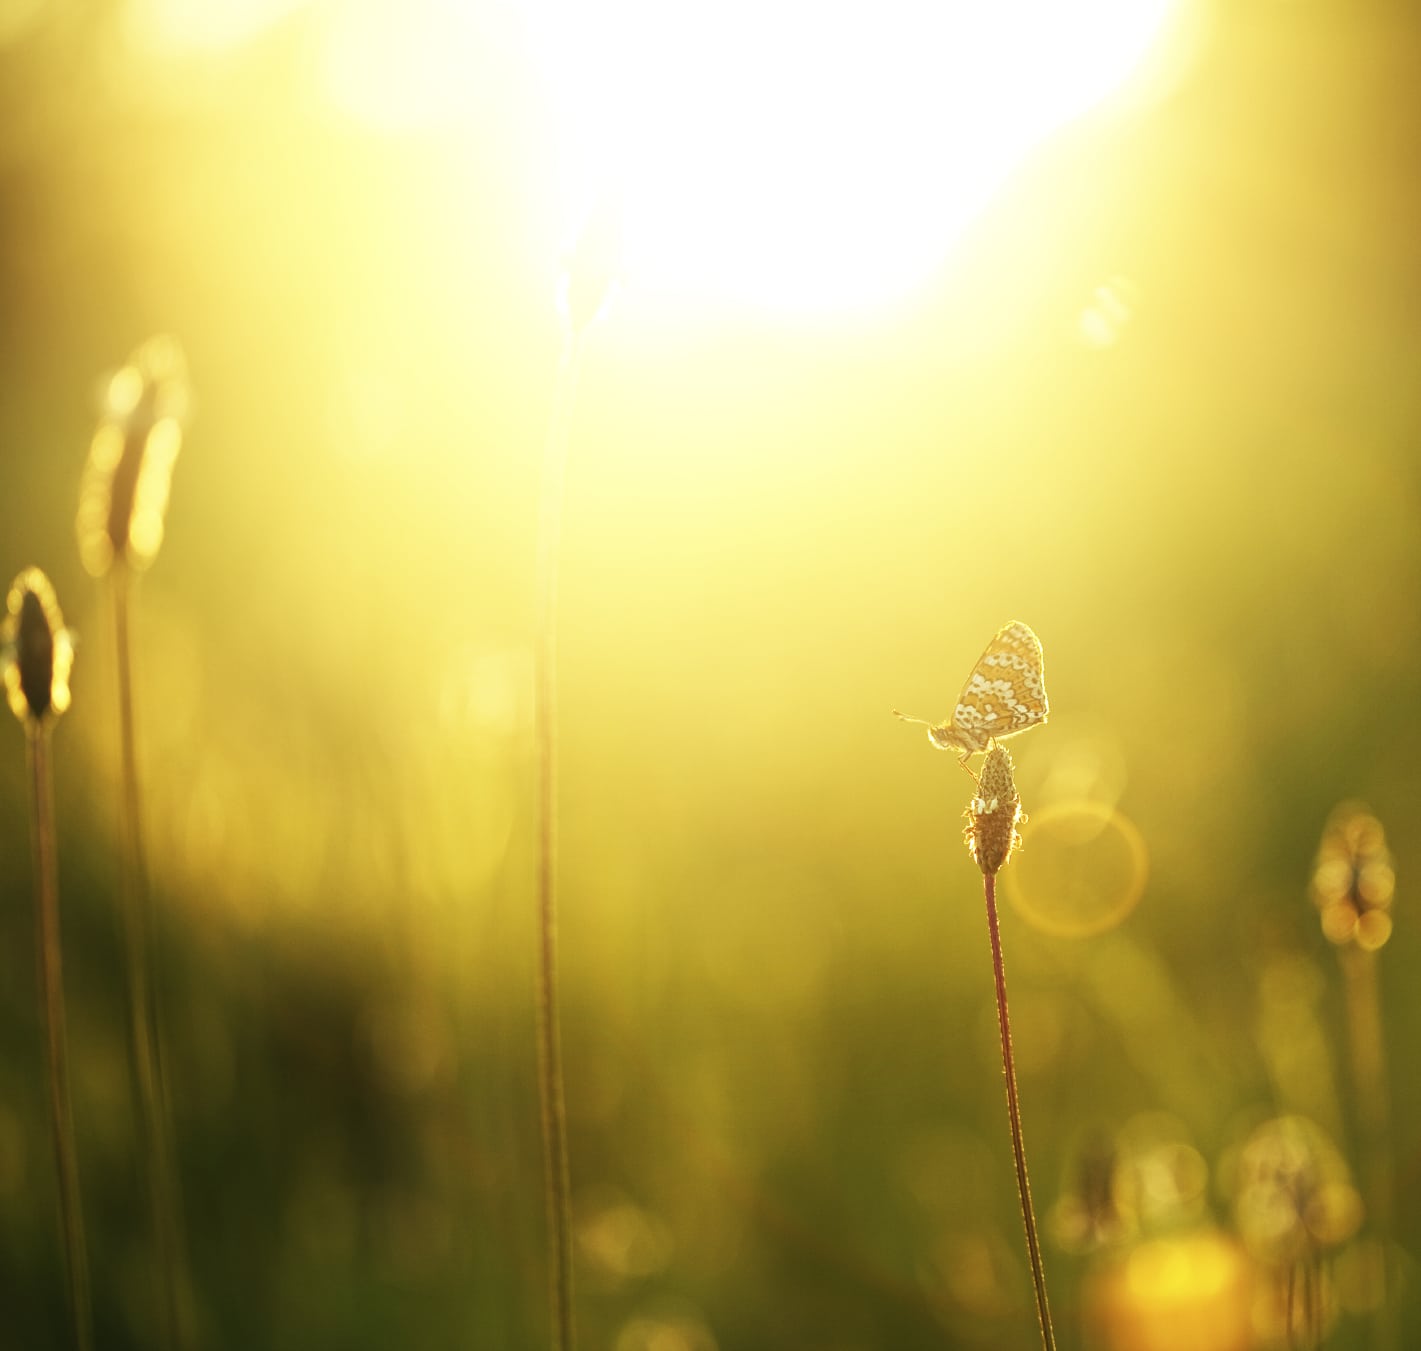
column 950, row 738
column 1004, row 695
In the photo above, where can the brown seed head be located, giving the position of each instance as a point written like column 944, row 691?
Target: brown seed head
column 39, row 652
column 993, row 815
column 124, row 494
column 1352, row 880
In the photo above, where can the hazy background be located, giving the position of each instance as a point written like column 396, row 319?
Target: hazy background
column 1199, row 486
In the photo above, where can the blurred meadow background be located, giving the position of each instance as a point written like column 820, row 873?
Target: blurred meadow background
column 1110, row 323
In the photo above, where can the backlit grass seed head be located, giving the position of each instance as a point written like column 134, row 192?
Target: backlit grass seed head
column 994, row 814
column 1353, row 881
column 124, row 494
column 38, row 650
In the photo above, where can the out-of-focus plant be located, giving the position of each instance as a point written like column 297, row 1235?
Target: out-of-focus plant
column 1294, row 1207
column 123, row 500
column 1146, row 1181
column 1353, row 883
column 1091, row 1213
column 1161, row 1276
column 38, row 657
column 123, row 497
column 1353, row 880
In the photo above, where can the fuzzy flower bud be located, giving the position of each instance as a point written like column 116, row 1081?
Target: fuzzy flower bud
column 993, row 815
column 123, row 498
column 38, row 651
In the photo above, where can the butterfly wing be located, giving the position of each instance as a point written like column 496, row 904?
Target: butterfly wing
column 1006, row 692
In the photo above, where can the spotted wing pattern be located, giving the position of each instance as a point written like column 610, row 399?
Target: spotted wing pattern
column 1004, row 695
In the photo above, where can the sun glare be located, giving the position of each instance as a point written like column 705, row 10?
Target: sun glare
column 817, row 155
column 784, row 153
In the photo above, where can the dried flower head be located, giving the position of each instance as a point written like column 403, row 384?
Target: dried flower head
column 38, row 650
column 994, row 813
column 124, row 494
column 1352, row 880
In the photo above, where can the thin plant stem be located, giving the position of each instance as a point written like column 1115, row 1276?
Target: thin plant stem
column 51, row 984
column 1304, row 1303
column 145, row 1042
column 1368, row 1056
column 556, row 1176
column 1018, row 1148
column 1290, row 1305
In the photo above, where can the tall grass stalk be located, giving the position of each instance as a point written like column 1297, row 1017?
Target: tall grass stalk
column 1353, row 886
column 556, row 1175
column 590, row 273
column 1368, row 1057
column 38, row 655
column 991, row 837
column 51, row 988
column 123, row 502
column 145, row 1045
column 1018, row 1146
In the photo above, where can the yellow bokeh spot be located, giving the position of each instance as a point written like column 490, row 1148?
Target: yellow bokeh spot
column 672, row 1333
column 92, row 525
column 150, row 500
column 1081, row 869
column 1373, row 930
column 1086, row 764
column 125, row 388
column 1103, row 321
column 106, row 449
column 1175, row 1294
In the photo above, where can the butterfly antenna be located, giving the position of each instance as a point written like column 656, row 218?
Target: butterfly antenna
column 922, row 721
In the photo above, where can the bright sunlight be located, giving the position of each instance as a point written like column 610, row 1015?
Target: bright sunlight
column 808, row 155
column 471, row 890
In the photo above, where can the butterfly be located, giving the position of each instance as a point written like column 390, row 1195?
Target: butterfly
column 1004, row 695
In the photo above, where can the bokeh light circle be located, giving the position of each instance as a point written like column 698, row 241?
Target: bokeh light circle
column 1081, row 869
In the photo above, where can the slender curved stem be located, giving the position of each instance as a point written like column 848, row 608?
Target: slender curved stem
column 144, row 1039
column 51, row 983
column 556, row 1177
column 1018, row 1148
